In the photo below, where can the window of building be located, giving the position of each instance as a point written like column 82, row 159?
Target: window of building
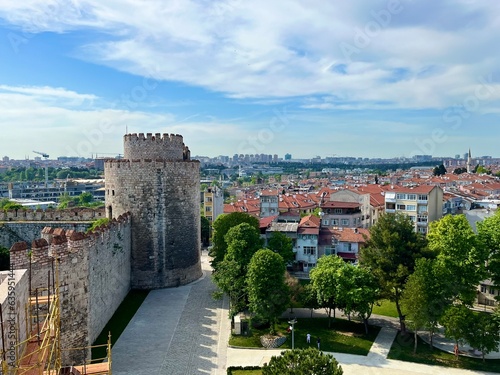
column 309, row 250
column 411, row 207
column 400, row 196
column 337, row 211
column 401, row 207
column 412, row 197
column 345, row 222
column 422, row 209
column 492, row 291
column 412, row 218
column 311, row 265
column 422, row 230
column 483, row 288
column 209, row 218
column 208, row 209
column 422, row 197
column 326, row 222
column 335, row 222
column 390, row 206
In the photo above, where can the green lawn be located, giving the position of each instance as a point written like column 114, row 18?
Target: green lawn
column 402, row 349
column 342, row 337
column 247, row 372
column 386, row 308
column 119, row 321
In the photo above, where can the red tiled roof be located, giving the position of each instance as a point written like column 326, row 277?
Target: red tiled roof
column 353, row 235
column 265, row 222
column 333, row 204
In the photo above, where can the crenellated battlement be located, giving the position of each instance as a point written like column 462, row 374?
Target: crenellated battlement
column 59, row 242
column 68, row 214
column 154, row 146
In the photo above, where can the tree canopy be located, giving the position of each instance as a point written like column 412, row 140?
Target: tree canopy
column 281, row 244
column 461, row 255
column 390, row 254
column 268, row 293
column 489, row 235
column 309, row 361
column 221, row 226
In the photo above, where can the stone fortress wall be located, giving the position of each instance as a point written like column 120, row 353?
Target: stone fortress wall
column 159, row 185
column 26, row 225
column 94, row 274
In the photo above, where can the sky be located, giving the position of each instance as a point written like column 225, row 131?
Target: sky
column 364, row 78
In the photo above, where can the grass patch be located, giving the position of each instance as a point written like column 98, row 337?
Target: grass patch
column 247, row 372
column 342, row 337
column 386, row 308
column 119, row 321
column 402, row 350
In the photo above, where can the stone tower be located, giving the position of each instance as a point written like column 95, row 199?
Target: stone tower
column 159, row 184
column 469, row 162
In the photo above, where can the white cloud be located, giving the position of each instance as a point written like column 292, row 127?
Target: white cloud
column 275, row 49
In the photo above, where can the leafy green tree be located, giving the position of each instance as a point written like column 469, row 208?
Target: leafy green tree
column 358, row 292
column 242, row 241
column 325, row 280
column 309, row 361
column 390, row 254
column 440, row 170
column 4, row 259
column 268, row 293
column 456, row 321
column 205, row 231
column 281, row 244
column 221, row 226
column 85, row 198
column 309, row 298
column 484, row 333
column 489, row 234
column 424, row 298
column 6, row 205
column 295, row 289
column 459, row 170
column 461, row 255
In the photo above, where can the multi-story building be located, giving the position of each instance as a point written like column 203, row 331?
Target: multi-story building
column 269, row 203
column 346, row 208
column 423, row 204
column 213, row 201
column 307, row 242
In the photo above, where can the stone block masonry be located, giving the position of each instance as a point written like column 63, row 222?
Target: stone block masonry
column 159, row 185
column 94, row 274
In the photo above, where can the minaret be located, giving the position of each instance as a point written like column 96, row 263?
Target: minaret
column 469, row 162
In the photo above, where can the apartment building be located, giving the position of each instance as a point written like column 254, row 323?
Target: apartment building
column 422, row 204
column 213, row 203
column 306, row 251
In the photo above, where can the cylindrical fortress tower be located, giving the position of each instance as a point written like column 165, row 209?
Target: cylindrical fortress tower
column 160, row 186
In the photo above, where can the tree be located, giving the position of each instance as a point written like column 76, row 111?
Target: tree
column 424, row 300
column 358, row 292
column 242, row 242
column 459, row 170
column 281, row 244
column 390, row 254
column 309, row 361
column 85, row 198
column 325, row 280
column 489, row 234
column 295, row 289
column 221, row 226
column 205, row 231
column 460, row 254
column 4, row 259
column 268, row 294
column 484, row 333
column 440, row 170
column 456, row 321
column 309, row 298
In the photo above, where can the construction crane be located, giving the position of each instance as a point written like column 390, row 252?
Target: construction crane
column 45, row 156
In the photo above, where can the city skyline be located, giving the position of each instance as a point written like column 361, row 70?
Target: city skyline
column 377, row 79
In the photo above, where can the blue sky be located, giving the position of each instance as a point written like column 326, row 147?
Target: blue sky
column 361, row 78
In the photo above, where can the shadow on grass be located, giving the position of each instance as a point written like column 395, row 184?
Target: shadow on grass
column 343, row 336
column 402, row 350
column 119, row 321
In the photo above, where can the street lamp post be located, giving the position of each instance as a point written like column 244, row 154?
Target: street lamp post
column 292, row 322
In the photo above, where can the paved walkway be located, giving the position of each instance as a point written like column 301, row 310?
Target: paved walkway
column 183, row 331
